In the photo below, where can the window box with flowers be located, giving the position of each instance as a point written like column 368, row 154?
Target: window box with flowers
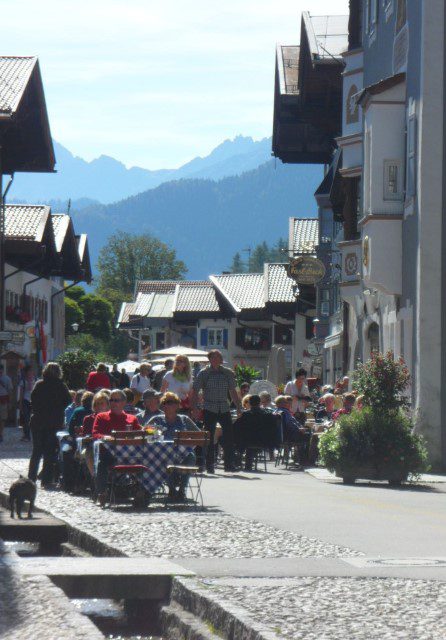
column 15, row 314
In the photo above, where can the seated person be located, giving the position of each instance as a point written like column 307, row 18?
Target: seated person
column 348, row 402
column 171, row 422
column 292, row 431
column 256, row 427
column 77, row 418
column 76, row 397
column 114, row 420
column 266, row 401
column 245, row 402
column 130, row 407
column 359, row 403
column 100, row 404
column 151, row 401
column 326, row 408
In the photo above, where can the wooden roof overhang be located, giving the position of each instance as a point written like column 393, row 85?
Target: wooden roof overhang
column 38, row 257
column 84, row 256
column 70, row 264
column 307, row 121
column 25, row 137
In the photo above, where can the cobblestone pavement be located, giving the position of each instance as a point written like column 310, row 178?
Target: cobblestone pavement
column 169, row 533
column 32, row 608
column 338, row 608
column 319, row 608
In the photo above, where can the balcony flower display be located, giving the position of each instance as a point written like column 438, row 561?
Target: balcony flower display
column 377, row 442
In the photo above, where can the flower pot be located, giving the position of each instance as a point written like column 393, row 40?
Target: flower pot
column 393, row 476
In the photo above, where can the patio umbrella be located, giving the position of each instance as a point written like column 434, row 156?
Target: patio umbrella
column 178, row 351
column 128, row 365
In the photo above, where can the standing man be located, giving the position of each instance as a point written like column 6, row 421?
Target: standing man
column 218, row 384
column 298, row 390
column 5, row 392
column 141, row 381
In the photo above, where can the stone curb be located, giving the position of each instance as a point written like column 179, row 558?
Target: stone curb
column 230, row 621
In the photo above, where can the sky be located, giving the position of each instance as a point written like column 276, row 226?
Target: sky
column 154, row 83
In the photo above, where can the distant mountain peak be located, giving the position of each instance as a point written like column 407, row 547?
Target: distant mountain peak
column 106, row 179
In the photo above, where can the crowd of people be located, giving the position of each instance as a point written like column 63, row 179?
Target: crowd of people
column 175, row 397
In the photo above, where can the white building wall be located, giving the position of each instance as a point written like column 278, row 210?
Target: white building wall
column 43, row 290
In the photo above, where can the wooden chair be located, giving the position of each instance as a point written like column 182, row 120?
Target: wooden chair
column 191, row 439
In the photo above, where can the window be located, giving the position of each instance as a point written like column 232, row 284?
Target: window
column 215, row 338
column 373, row 337
column 392, row 180
column 400, row 15
column 388, row 8
column 351, row 107
column 255, row 339
column 160, row 340
column 411, row 170
column 325, row 302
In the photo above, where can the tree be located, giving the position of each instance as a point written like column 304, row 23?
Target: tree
column 98, row 316
column 126, row 258
column 75, row 293
column 76, row 365
column 237, row 265
column 73, row 314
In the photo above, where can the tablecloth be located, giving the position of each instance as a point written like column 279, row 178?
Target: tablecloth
column 154, row 455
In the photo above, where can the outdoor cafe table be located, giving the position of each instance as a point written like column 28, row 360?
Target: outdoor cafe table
column 154, row 455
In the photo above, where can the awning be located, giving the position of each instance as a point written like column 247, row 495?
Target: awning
column 333, row 341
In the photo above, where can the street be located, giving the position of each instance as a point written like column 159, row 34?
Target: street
column 306, row 556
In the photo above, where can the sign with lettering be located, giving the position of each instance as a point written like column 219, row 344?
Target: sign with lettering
column 306, row 270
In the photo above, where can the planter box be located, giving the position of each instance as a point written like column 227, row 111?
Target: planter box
column 350, row 475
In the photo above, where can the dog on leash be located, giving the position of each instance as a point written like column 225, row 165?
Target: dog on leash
column 21, row 490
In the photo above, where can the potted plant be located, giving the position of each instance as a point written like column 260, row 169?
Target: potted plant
column 377, row 442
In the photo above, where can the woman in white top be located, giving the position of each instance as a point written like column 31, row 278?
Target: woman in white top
column 179, row 381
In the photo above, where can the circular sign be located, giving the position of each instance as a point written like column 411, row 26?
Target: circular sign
column 306, row 270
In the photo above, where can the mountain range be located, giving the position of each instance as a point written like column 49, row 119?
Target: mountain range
column 107, row 180
column 208, row 209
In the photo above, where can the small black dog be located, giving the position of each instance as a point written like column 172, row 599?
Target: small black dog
column 21, row 490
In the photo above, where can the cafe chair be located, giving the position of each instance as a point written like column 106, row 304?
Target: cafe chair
column 126, row 481
column 191, row 439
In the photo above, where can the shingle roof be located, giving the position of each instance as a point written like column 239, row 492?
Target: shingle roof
column 153, row 305
column 61, row 222
column 25, row 221
column 125, row 312
column 14, row 75
column 280, row 285
column 304, row 235
column 327, row 35
column 196, row 297
column 164, row 286
column 288, row 58
column 242, row 290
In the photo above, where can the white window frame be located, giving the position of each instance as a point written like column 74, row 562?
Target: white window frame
column 393, row 190
column 212, row 333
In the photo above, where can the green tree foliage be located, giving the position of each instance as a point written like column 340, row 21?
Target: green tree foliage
column 75, row 293
column 260, row 254
column 73, row 314
column 127, row 258
column 76, row 366
column 98, row 316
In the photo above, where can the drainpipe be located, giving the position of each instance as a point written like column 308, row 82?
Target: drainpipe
column 2, row 245
column 52, row 304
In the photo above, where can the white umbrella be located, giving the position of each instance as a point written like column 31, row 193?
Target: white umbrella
column 191, row 359
column 178, row 351
column 128, row 365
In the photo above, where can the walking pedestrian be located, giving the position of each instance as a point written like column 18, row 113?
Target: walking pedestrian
column 141, row 381
column 159, row 375
column 49, row 398
column 98, row 379
column 5, row 392
column 217, row 384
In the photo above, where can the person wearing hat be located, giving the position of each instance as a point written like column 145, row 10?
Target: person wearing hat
column 151, row 401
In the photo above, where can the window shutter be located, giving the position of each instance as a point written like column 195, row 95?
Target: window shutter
column 204, row 337
column 225, row 338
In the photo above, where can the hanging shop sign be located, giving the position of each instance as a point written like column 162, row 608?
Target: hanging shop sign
column 306, row 270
